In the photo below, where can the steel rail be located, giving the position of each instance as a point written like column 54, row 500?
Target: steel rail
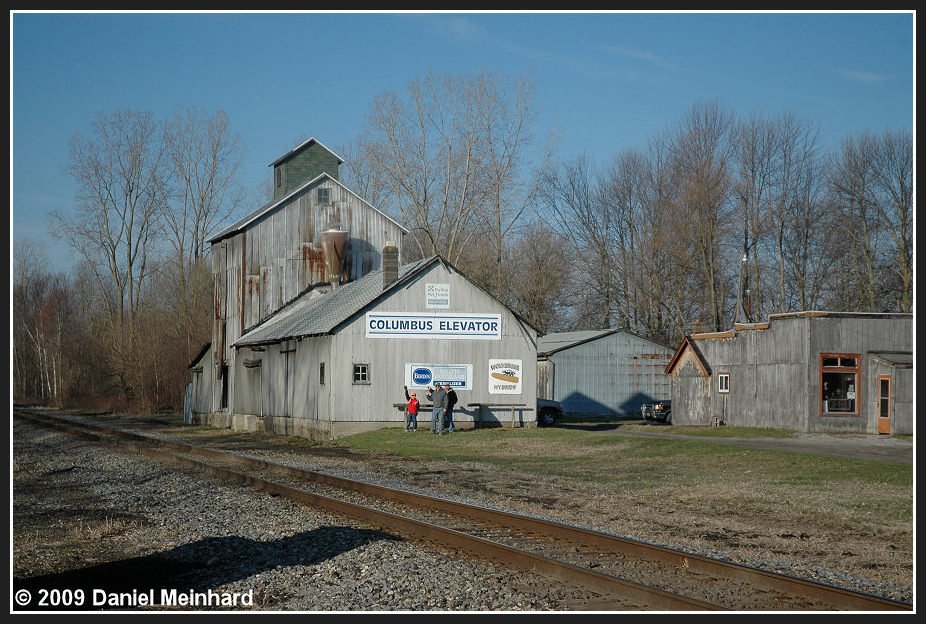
column 835, row 597
column 614, row 590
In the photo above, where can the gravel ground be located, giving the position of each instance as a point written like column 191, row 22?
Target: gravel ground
column 89, row 517
column 839, row 558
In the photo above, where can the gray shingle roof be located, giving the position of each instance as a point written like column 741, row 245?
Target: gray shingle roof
column 316, row 312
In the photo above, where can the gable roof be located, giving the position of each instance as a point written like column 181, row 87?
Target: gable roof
column 266, row 209
column 700, row 362
column 551, row 343
column 305, row 145
column 316, row 313
column 556, row 342
column 202, row 351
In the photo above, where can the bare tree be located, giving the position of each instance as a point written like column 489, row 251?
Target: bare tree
column 120, row 173
column 702, row 157
column 204, row 158
column 569, row 200
column 893, row 194
column 41, row 319
column 506, row 137
column 540, row 280
column 622, row 193
column 361, row 174
column 444, row 152
column 853, row 182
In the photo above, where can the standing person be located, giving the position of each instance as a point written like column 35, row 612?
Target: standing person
column 448, row 415
column 411, row 420
column 439, row 403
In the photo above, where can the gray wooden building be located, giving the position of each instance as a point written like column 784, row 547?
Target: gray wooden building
column 804, row 371
column 315, row 234
column 335, row 361
column 602, row 373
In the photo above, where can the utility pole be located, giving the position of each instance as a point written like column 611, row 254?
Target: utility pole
column 739, row 312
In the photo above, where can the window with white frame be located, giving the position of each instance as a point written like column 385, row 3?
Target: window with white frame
column 361, row 373
column 723, row 383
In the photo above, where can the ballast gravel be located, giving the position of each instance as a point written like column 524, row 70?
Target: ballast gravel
column 93, row 517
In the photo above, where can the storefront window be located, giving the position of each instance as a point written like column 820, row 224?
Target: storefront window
column 839, row 377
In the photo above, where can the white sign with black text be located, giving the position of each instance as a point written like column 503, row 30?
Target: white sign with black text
column 437, row 296
column 505, row 376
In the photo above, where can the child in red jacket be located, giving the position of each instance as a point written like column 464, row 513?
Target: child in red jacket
column 411, row 420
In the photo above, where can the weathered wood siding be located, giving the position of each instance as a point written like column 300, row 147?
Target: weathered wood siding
column 203, row 382
column 611, row 375
column 287, row 382
column 860, row 334
column 280, row 255
column 775, row 373
column 340, row 400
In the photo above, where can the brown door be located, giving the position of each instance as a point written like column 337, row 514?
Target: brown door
column 884, row 404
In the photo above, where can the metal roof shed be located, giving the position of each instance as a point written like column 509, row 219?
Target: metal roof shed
column 608, row 372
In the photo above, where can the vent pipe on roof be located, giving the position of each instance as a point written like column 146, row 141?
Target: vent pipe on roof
column 390, row 264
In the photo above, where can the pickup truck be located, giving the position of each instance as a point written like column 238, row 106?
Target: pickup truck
column 660, row 411
column 548, row 412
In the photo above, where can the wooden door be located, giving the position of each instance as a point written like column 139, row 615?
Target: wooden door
column 884, row 404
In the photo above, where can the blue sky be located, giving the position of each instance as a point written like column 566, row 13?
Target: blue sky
column 607, row 81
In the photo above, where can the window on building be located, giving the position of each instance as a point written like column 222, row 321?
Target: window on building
column 839, row 379
column 324, row 195
column 321, row 373
column 723, row 382
column 278, row 176
column 361, row 373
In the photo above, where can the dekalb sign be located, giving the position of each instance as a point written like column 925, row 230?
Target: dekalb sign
column 422, row 325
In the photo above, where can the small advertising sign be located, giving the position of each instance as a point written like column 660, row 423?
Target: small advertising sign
column 505, row 376
column 437, row 296
column 459, row 376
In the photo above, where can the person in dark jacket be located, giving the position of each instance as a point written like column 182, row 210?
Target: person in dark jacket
column 448, row 413
column 439, row 402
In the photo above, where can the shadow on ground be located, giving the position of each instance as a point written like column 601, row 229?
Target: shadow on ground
column 198, row 566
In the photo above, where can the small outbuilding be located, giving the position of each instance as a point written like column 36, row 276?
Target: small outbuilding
column 608, row 372
column 805, row 371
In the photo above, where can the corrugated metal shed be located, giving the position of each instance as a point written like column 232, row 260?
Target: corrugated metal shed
column 602, row 372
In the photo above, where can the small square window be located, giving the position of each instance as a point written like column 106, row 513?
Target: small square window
column 324, row 195
column 361, row 373
column 723, row 382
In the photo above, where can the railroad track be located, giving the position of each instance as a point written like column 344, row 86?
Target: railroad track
column 627, row 574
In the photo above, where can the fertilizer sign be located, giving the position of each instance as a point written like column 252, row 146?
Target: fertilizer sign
column 505, row 376
column 459, row 376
